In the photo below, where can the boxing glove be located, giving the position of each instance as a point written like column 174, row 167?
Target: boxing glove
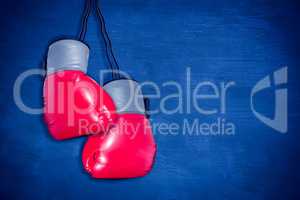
column 74, row 104
column 127, row 150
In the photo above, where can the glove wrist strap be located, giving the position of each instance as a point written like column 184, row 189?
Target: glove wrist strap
column 127, row 96
column 67, row 55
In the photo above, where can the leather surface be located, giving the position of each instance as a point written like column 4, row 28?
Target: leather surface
column 126, row 151
column 75, row 105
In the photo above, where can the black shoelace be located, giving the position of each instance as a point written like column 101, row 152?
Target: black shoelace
column 113, row 64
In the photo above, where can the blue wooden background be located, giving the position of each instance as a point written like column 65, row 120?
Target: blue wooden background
column 229, row 40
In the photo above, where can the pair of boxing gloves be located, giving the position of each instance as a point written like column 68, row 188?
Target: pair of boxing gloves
column 120, row 142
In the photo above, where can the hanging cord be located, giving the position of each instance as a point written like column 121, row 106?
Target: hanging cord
column 84, row 19
column 108, row 46
column 113, row 64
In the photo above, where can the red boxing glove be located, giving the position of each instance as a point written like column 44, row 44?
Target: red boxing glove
column 128, row 149
column 74, row 104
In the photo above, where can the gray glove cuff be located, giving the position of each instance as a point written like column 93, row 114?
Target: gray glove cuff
column 67, row 55
column 127, row 96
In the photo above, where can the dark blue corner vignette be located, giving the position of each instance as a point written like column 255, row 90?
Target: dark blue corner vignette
column 229, row 40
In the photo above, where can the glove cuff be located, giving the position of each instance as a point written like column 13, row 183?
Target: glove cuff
column 67, row 55
column 127, row 96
